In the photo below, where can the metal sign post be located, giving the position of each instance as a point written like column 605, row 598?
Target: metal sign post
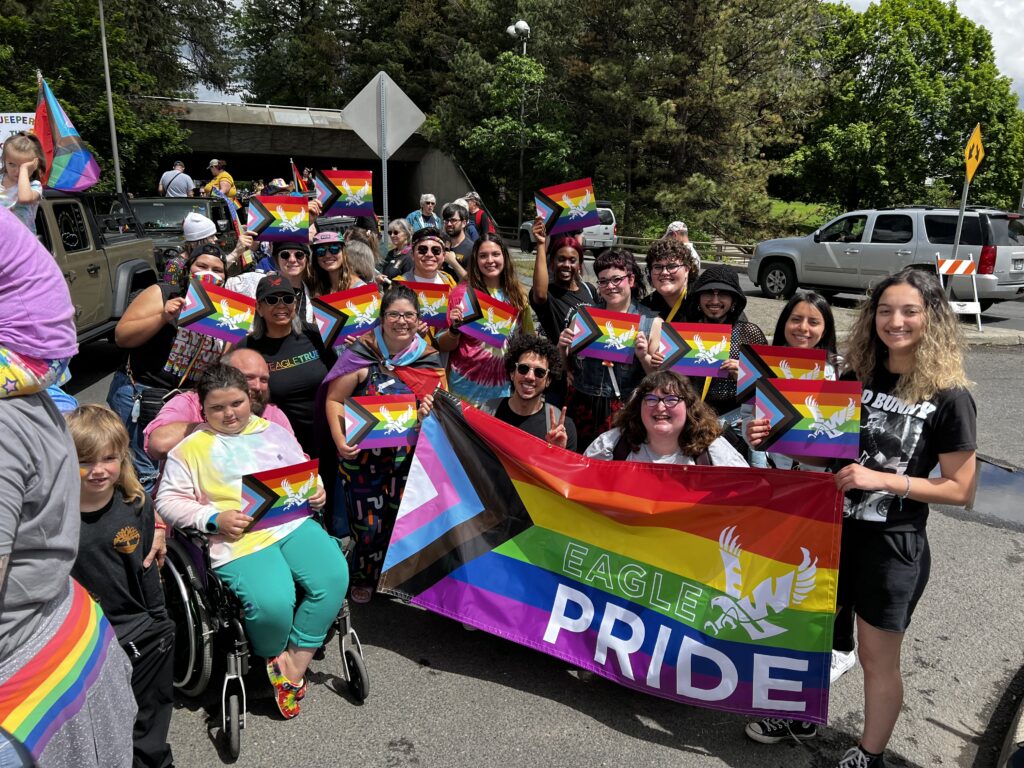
column 384, row 117
column 974, row 152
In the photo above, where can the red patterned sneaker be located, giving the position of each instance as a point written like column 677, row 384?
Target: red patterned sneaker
column 287, row 695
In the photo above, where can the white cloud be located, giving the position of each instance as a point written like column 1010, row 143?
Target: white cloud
column 998, row 18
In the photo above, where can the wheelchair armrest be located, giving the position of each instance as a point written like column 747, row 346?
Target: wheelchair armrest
column 200, row 538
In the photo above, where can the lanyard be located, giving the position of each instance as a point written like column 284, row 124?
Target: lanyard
column 676, row 306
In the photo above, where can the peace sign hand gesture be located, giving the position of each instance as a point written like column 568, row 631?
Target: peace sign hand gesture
column 557, row 434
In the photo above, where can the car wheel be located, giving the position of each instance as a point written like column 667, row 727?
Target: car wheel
column 778, row 281
column 525, row 243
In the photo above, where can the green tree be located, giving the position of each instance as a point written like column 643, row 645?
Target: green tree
column 907, row 80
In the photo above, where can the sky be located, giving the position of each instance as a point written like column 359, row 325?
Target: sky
column 1002, row 24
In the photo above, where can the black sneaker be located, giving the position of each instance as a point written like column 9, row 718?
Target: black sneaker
column 772, row 730
column 856, row 757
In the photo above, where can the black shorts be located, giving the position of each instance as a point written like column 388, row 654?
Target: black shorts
column 882, row 574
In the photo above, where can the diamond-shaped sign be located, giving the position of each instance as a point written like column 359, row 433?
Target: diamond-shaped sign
column 401, row 116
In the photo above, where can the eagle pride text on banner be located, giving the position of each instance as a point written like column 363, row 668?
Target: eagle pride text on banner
column 713, row 586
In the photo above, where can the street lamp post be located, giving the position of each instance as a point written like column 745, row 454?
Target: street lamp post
column 110, row 102
column 521, row 31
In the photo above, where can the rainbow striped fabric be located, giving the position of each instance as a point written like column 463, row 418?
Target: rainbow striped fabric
column 381, row 421
column 70, row 165
column 346, row 314
column 605, row 335
column 433, row 302
column 695, row 349
column 344, row 193
column 758, row 361
column 279, row 496
column 51, row 689
column 279, row 218
column 487, row 319
column 713, row 586
column 215, row 311
column 811, row 418
column 567, row 207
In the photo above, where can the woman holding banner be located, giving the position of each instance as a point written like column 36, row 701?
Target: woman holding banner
column 598, row 388
column 202, row 488
column 476, row 370
column 907, row 350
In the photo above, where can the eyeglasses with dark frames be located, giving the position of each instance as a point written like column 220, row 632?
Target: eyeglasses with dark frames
column 669, row 401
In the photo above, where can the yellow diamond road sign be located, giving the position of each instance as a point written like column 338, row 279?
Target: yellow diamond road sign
column 973, row 153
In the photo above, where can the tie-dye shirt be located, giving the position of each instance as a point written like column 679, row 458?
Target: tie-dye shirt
column 203, row 477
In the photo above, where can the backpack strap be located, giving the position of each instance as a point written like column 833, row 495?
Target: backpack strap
column 704, row 460
column 621, row 450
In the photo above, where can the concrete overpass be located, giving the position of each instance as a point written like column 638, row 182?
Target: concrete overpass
column 256, row 140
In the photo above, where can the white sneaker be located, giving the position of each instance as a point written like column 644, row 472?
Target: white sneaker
column 842, row 663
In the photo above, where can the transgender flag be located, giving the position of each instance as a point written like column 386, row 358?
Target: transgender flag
column 71, row 167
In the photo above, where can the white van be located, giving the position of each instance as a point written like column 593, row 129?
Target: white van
column 596, row 238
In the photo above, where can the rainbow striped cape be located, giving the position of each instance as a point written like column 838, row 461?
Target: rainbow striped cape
column 712, row 586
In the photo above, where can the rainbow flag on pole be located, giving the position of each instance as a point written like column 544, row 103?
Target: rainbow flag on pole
column 279, row 496
column 605, row 335
column 567, row 207
column 758, row 362
column 70, row 166
column 810, row 418
column 344, row 193
column 711, row 586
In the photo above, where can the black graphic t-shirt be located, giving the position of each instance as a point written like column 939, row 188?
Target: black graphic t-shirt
column 298, row 364
column 907, row 439
column 113, row 543
column 554, row 313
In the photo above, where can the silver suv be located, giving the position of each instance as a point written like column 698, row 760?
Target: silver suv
column 857, row 249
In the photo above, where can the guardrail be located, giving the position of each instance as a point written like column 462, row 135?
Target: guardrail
column 710, row 251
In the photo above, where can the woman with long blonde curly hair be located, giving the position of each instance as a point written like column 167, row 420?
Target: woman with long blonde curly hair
column 916, row 413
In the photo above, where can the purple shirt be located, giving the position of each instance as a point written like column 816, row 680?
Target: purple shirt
column 37, row 318
column 184, row 407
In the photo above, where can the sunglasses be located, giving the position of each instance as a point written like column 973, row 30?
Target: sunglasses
column 611, row 281
column 323, row 250
column 669, row 401
column 524, row 370
column 286, row 299
column 423, row 250
column 289, row 255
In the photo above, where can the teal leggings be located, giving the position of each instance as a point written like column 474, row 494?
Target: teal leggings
column 265, row 583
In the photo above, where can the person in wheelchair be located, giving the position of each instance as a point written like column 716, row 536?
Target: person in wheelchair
column 202, row 487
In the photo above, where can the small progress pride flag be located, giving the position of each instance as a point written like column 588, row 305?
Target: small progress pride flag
column 344, row 193
column 381, row 421
column 279, row 218
column 695, row 349
column 215, row 311
column 346, row 314
column 279, row 496
column 810, row 418
column 758, row 361
column 605, row 335
column 433, row 302
column 487, row 319
column 567, row 207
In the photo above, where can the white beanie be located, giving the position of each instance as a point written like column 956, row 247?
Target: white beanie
column 198, row 227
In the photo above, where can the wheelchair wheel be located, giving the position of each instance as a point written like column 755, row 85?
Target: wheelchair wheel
column 358, row 679
column 234, row 721
column 194, row 630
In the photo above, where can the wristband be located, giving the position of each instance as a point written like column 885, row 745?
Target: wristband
column 211, row 524
column 906, row 492
column 160, row 526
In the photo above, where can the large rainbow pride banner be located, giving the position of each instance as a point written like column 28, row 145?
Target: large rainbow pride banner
column 605, row 335
column 486, row 318
column 433, row 302
column 712, row 586
column 695, row 349
column 344, row 193
column 567, row 207
column 279, row 218
column 279, row 496
column 346, row 314
column 758, row 361
column 810, row 418
column 215, row 311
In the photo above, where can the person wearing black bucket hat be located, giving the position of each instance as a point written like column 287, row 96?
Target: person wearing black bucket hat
column 716, row 297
